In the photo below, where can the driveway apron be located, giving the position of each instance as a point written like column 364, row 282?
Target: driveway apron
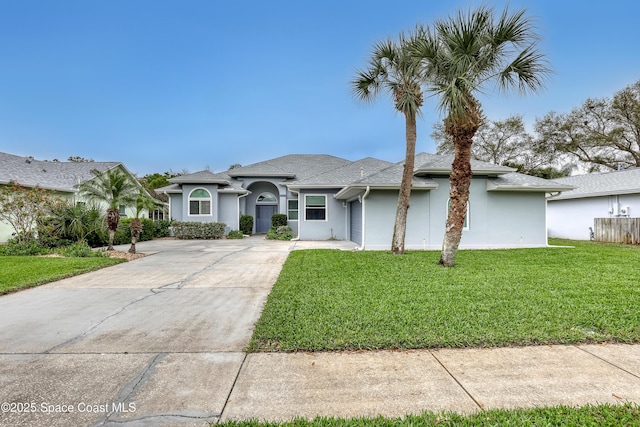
column 155, row 341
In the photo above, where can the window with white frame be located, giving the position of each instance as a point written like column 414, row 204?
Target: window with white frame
column 122, row 209
column 315, row 207
column 465, row 226
column 292, row 209
column 200, row 202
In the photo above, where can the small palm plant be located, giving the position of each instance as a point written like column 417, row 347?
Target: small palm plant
column 113, row 188
column 143, row 202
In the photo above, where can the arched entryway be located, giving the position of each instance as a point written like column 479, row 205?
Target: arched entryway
column 263, row 203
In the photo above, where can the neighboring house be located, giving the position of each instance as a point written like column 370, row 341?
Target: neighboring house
column 327, row 197
column 61, row 178
column 598, row 195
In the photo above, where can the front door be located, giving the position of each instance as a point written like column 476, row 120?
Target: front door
column 263, row 217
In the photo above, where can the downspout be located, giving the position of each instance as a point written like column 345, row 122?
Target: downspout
column 364, row 220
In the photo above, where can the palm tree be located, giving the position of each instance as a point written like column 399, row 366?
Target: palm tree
column 393, row 69
column 113, row 188
column 459, row 57
column 143, row 201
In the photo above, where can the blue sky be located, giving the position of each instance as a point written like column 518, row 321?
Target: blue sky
column 174, row 85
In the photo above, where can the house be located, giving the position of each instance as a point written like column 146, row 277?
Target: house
column 327, row 197
column 597, row 195
column 61, row 178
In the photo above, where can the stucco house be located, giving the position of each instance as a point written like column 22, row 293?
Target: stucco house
column 328, row 197
column 62, row 178
column 597, row 195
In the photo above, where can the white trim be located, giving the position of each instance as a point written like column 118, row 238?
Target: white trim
column 326, row 208
column 200, row 200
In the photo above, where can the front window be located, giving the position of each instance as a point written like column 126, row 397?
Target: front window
column 292, row 211
column 315, row 208
column 200, row 202
column 122, row 210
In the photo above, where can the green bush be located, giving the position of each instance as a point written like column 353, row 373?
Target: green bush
column 161, row 228
column 246, row 224
column 235, row 234
column 198, row 230
column 283, row 232
column 79, row 250
column 278, row 220
column 15, row 247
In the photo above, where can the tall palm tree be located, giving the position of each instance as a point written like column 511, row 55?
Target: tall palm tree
column 459, row 57
column 392, row 69
column 113, row 188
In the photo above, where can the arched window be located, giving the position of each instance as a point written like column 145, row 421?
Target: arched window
column 266, row 198
column 200, row 202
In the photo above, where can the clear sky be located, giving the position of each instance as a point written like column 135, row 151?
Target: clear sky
column 185, row 84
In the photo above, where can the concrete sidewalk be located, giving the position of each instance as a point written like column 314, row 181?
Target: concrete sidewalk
column 160, row 340
column 278, row 387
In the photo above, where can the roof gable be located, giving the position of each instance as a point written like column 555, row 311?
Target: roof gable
column 299, row 166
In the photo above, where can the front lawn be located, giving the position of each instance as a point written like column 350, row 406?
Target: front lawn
column 18, row 272
column 590, row 415
column 334, row 300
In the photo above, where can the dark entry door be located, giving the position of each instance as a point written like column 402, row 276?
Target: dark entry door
column 263, row 217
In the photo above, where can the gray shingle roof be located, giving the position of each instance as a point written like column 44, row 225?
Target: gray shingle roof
column 200, row 177
column 392, row 175
column 60, row 176
column 520, row 182
column 436, row 164
column 344, row 175
column 601, row 184
column 299, row 166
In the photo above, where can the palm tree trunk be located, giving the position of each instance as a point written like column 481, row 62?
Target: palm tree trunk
column 134, row 240
column 113, row 218
column 400, row 226
column 460, row 181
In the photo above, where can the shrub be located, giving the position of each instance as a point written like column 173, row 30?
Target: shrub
column 278, row 220
column 161, row 228
column 235, row 234
column 283, row 232
column 246, row 224
column 198, row 230
column 21, row 247
column 80, row 250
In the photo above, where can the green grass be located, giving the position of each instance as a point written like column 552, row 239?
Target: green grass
column 333, row 300
column 20, row 272
column 590, row 415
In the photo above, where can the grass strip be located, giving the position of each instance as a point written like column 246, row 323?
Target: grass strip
column 20, row 272
column 591, row 415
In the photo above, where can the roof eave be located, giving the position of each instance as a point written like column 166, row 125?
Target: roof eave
column 261, row 175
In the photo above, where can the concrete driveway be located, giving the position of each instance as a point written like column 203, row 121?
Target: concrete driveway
column 156, row 341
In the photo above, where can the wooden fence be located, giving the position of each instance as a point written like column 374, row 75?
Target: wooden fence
column 617, row 230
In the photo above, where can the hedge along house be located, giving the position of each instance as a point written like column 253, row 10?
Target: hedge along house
column 327, row 197
column 60, row 178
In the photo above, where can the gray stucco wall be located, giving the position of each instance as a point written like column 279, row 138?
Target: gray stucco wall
column 380, row 213
column 495, row 220
column 321, row 230
column 516, row 220
column 176, row 208
column 228, row 211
